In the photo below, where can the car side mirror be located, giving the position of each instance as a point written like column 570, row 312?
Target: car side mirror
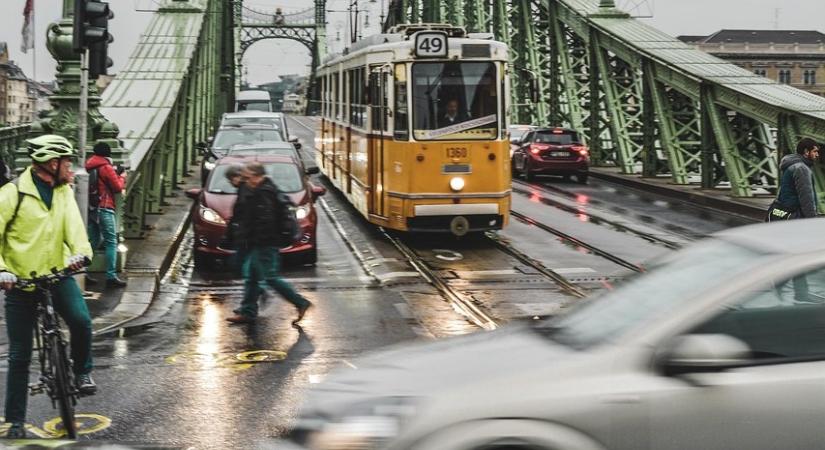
column 313, row 170
column 294, row 140
column 697, row 353
column 194, row 193
column 515, row 141
column 318, row 191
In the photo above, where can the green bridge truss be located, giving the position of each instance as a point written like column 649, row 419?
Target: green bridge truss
column 646, row 102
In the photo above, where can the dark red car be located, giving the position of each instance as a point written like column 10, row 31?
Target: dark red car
column 214, row 202
column 551, row 151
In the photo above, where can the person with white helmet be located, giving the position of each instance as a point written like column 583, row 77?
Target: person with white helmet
column 40, row 221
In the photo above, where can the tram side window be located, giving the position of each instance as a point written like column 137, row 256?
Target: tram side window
column 401, row 132
column 358, row 109
column 336, row 104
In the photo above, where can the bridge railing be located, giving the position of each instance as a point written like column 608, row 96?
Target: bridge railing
column 167, row 99
column 11, row 139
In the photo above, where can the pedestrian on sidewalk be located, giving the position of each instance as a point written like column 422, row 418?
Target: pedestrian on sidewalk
column 41, row 224
column 260, row 218
column 105, row 181
column 796, row 199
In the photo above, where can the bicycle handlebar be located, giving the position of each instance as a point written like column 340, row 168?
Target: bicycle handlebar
column 54, row 277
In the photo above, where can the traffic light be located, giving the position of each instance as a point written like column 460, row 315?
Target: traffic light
column 91, row 30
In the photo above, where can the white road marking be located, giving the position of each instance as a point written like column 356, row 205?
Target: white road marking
column 393, row 275
column 483, row 273
column 404, row 310
column 351, row 365
column 572, row 270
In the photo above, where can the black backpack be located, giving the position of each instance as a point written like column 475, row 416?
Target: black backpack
column 289, row 230
column 94, row 189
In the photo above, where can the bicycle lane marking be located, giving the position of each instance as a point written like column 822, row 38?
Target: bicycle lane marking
column 87, row 423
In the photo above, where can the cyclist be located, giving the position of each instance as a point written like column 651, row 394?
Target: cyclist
column 37, row 235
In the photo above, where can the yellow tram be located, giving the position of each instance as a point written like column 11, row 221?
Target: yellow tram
column 414, row 129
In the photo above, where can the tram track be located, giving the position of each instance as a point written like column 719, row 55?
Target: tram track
column 652, row 238
column 461, row 302
column 577, row 242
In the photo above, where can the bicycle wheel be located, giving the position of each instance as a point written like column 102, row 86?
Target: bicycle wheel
column 62, row 386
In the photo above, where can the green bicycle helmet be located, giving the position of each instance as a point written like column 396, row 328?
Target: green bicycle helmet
column 48, row 147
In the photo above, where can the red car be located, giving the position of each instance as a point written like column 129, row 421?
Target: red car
column 214, row 202
column 551, row 151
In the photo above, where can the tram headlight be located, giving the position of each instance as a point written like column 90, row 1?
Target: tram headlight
column 457, row 184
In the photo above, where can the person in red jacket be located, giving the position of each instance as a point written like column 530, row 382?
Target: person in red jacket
column 102, row 223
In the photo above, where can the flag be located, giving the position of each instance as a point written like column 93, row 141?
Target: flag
column 28, row 32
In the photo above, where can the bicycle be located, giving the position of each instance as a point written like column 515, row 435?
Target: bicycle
column 56, row 375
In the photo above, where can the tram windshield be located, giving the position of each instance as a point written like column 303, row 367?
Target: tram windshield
column 455, row 100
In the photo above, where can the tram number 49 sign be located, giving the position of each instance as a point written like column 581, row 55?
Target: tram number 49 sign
column 431, row 45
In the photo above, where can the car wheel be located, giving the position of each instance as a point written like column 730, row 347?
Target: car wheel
column 525, row 171
column 581, row 178
column 310, row 257
column 202, row 261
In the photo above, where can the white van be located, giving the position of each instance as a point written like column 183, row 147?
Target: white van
column 253, row 101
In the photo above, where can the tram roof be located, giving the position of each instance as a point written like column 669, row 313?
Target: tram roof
column 399, row 41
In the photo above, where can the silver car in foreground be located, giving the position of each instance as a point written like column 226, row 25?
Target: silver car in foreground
column 721, row 346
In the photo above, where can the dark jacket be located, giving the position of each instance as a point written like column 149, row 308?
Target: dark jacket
column 257, row 216
column 109, row 182
column 796, row 185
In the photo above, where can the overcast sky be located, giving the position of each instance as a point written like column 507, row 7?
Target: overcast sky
column 267, row 59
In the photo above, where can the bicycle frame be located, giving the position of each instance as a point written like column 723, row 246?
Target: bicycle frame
column 47, row 326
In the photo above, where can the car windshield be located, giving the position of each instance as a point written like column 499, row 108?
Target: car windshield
column 237, row 121
column 228, row 138
column 558, row 138
column 255, row 151
column 286, row 176
column 651, row 296
column 455, row 100
column 518, row 133
column 253, row 106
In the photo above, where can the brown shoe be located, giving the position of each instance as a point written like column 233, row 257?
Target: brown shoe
column 302, row 311
column 240, row 318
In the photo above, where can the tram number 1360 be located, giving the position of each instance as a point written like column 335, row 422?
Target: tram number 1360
column 456, row 152
column 431, row 45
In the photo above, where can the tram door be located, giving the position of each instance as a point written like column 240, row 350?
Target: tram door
column 379, row 87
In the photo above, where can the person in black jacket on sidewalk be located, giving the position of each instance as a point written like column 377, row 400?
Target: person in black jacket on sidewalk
column 796, row 182
column 258, row 232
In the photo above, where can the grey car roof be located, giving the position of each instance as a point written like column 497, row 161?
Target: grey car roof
column 789, row 237
column 252, row 114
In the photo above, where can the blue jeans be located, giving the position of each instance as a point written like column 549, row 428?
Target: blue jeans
column 21, row 311
column 105, row 229
column 261, row 264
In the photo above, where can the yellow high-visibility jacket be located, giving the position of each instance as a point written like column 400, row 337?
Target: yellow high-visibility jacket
column 39, row 239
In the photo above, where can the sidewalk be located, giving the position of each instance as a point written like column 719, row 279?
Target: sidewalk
column 147, row 262
column 751, row 207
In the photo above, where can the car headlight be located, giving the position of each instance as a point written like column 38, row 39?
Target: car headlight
column 366, row 427
column 457, row 184
column 301, row 212
column 208, row 165
column 209, row 215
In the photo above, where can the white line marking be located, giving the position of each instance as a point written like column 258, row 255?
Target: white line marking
column 393, row 275
column 404, row 310
column 482, row 273
column 571, row 270
column 351, row 365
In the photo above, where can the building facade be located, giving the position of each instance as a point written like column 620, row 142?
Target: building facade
column 790, row 57
column 19, row 99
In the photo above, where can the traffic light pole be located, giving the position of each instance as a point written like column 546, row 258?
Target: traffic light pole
column 81, row 177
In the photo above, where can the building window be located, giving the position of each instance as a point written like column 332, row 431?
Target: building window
column 760, row 72
column 785, row 76
column 810, row 77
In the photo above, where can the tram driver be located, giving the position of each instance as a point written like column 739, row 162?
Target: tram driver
column 453, row 114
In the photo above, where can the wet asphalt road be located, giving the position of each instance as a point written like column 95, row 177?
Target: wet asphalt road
column 182, row 376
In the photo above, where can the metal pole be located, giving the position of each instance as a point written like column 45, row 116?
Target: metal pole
column 81, row 177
